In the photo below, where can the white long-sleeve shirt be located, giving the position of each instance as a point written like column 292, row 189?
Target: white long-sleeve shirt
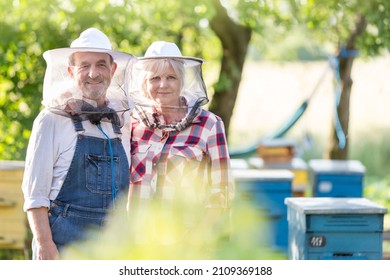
column 50, row 151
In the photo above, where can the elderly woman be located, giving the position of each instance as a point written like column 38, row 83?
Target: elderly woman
column 179, row 151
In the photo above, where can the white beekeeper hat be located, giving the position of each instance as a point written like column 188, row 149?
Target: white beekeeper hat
column 163, row 49
column 90, row 40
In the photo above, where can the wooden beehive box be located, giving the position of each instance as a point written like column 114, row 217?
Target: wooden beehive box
column 276, row 151
column 13, row 228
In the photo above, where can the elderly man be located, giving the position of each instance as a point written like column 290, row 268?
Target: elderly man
column 76, row 165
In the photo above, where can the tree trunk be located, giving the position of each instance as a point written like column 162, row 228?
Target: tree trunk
column 235, row 40
column 345, row 60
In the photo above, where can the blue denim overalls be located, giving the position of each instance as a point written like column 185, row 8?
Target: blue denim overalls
column 86, row 195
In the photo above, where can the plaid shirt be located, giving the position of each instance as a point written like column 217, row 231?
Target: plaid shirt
column 193, row 163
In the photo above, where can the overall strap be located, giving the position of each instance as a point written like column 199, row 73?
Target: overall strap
column 77, row 123
column 116, row 128
column 79, row 126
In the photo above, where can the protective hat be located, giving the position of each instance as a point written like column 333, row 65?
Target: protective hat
column 162, row 49
column 58, row 87
column 193, row 92
column 90, row 40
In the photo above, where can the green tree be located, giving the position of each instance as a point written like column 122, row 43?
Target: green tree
column 21, row 76
column 235, row 40
column 353, row 27
column 31, row 27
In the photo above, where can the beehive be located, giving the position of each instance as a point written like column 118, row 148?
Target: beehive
column 267, row 190
column 297, row 165
column 335, row 228
column 337, row 178
column 276, row 150
column 13, row 228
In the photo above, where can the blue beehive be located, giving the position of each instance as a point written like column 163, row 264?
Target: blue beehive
column 297, row 165
column 334, row 228
column 267, row 190
column 336, row 178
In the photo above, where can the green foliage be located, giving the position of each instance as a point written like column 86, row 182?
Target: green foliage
column 182, row 229
column 7, row 254
column 157, row 234
column 297, row 45
column 373, row 152
column 334, row 21
column 378, row 190
column 377, row 36
column 20, row 83
column 31, row 27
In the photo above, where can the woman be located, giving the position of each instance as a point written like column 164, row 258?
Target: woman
column 179, row 152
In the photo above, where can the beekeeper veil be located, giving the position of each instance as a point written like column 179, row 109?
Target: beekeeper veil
column 61, row 94
column 160, row 106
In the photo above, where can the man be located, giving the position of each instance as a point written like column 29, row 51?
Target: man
column 76, row 166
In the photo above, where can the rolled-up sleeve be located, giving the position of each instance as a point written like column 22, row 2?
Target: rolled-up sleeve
column 40, row 158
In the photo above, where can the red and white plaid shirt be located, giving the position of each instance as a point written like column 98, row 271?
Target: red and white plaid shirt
column 193, row 163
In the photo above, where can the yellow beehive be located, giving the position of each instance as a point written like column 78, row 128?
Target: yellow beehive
column 13, row 229
column 297, row 165
column 301, row 178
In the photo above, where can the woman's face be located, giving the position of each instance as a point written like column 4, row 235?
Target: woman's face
column 164, row 88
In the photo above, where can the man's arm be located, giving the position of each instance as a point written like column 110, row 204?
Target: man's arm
column 38, row 219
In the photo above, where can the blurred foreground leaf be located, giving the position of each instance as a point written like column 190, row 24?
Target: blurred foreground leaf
column 238, row 234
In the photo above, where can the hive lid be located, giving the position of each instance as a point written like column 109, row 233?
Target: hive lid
column 238, row 163
column 336, row 166
column 334, row 205
column 11, row 164
column 263, row 174
column 296, row 163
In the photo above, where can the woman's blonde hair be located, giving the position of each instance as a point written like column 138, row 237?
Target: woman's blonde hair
column 158, row 67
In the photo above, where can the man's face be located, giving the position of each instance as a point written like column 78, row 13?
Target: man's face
column 92, row 72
